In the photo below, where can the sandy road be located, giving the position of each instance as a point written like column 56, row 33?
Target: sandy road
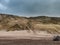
column 25, row 38
column 25, row 35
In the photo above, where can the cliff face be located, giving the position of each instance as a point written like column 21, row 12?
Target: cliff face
column 44, row 23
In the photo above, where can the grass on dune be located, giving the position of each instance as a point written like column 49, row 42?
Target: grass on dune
column 52, row 28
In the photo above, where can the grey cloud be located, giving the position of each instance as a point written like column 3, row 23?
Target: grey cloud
column 49, row 7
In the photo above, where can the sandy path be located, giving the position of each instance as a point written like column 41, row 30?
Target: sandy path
column 24, row 35
column 25, row 38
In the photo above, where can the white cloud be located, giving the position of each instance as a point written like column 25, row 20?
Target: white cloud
column 2, row 7
column 7, row 1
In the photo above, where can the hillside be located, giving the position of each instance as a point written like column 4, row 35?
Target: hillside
column 40, row 23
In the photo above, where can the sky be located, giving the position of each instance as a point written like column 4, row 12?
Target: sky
column 30, row 7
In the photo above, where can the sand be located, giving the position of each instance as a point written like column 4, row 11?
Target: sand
column 26, row 38
column 23, row 34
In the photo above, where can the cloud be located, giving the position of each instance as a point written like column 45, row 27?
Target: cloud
column 33, row 6
column 53, row 0
column 39, row 7
column 7, row 1
column 2, row 7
